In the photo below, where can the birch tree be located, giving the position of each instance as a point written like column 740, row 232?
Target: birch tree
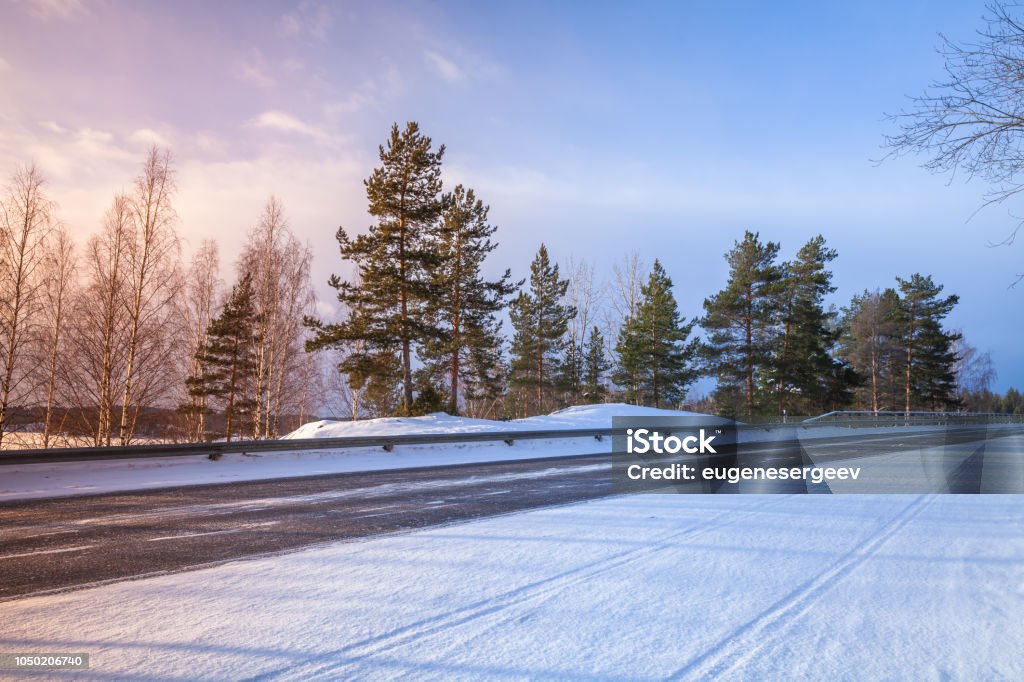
column 153, row 283
column 60, row 273
column 26, row 219
column 202, row 292
column 283, row 296
column 98, row 340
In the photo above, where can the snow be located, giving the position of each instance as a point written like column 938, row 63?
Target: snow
column 636, row 587
column 577, row 417
column 62, row 479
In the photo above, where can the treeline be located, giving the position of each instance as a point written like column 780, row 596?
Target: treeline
column 116, row 339
column 423, row 329
column 119, row 339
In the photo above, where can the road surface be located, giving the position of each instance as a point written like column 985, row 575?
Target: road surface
column 65, row 543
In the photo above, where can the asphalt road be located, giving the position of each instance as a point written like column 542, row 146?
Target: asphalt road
column 56, row 544
column 66, row 543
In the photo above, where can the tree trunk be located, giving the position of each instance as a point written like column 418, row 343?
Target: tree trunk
column 749, row 324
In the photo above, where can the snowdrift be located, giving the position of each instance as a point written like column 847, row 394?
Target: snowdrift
column 82, row 478
column 578, row 417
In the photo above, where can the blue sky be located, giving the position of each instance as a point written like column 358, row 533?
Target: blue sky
column 599, row 128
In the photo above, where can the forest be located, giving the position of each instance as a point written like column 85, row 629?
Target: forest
column 123, row 339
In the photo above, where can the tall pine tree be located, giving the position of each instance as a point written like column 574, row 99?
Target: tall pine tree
column 740, row 322
column 539, row 320
column 807, row 376
column 387, row 302
column 229, row 358
column 653, row 348
column 465, row 306
column 929, row 355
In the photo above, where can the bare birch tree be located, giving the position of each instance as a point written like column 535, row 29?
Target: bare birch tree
column 26, row 219
column 202, row 293
column 60, row 273
column 154, row 281
column 98, row 338
column 628, row 277
column 583, row 294
column 281, row 272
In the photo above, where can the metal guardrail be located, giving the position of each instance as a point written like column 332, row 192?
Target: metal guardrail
column 855, row 418
column 254, row 446
column 388, row 442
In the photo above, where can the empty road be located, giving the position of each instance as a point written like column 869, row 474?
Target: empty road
column 65, row 543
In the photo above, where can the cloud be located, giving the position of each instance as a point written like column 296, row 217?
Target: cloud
column 285, row 122
column 446, row 68
column 149, row 137
column 349, row 105
column 307, row 19
column 4, row 65
column 208, row 143
column 53, row 127
column 253, row 74
column 290, row 25
column 56, row 9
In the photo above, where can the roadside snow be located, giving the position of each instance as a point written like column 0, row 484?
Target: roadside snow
column 33, row 481
column 638, row 587
column 578, row 417
column 62, row 479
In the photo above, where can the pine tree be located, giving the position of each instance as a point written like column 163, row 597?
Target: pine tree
column 870, row 344
column 740, row 321
column 807, row 376
column 930, row 358
column 229, row 357
column 465, row 306
column 595, row 366
column 387, row 304
column 570, row 370
column 539, row 320
column 653, row 348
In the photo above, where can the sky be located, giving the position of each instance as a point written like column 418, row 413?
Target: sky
column 600, row 129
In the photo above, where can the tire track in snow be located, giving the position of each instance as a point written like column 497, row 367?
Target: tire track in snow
column 745, row 641
column 333, row 665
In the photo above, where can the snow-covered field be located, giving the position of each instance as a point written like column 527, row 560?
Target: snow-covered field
column 27, row 481
column 638, row 587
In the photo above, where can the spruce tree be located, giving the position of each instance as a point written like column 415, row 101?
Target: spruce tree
column 740, row 322
column 465, row 306
column 929, row 356
column 595, row 367
column 570, row 370
column 229, row 357
column 539, row 320
column 653, row 348
column 807, row 376
column 387, row 303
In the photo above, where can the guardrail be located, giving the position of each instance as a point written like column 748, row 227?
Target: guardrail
column 388, row 442
column 252, row 446
column 856, row 418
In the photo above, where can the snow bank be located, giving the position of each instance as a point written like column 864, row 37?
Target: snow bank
column 637, row 587
column 27, row 481
column 578, row 417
